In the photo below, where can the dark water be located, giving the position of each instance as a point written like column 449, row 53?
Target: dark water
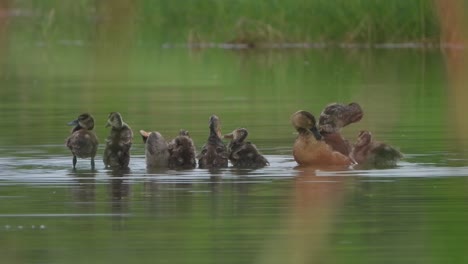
column 49, row 213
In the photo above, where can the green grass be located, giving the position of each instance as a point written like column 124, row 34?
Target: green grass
column 240, row 21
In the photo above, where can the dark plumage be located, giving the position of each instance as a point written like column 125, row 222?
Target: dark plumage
column 118, row 143
column 334, row 117
column 373, row 154
column 243, row 154
column 214, row 153
column 83, row 142
column 182, row 152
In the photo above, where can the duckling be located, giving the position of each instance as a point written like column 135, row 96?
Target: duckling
column 156, row 149
column 334, row 117
column 83, row 142
column 369, row 153
column 118, row 143
column 244, row 154
column 182, row 152
column 214, row 152
column 309, row 147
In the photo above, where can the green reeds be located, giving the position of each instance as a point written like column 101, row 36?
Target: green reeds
column 240, row 21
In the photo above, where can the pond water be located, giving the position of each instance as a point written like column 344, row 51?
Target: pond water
column 50, row 213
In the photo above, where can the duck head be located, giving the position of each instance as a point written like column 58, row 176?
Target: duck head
column 83, row 121
column 305, row 123
column 335, row 116
column 184, row 133
column 364, row 139
column 154, row 141
column 115, row 120
column 238, row 135
column 215, row 125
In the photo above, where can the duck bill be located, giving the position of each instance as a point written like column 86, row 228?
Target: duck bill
column 230, row 136
column 73, row 123
column 108, row 124
column 316, row 133
column 144, row 135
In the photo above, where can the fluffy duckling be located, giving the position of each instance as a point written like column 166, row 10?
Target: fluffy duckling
column 334, row 117
column 182, row 152
column 156, row 149
column 214, row 152
column 370, row 153
column 309, row 147
column 118, row 143
column 244, row 154
column 83, row 142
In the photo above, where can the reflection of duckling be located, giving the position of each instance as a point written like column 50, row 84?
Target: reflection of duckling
column 156, row 151
column 370, row 153
column 182, row 152
column 334, row 117
column 244, row 154
column 118, row 143
column 214, row 153
column 83, row 142
column 309, row 147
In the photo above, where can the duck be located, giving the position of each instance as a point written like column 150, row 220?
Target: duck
column 333, row 118
column 156, row 149
column 369, row 153
column 214, row 153
column 310, row 149
column 243, row 154
column 83, row 142
column 118, row 143
column 182, row 154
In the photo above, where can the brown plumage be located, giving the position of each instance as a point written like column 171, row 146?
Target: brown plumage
column 243, row 154
column 334, row 117
column 83, row 142
column 182, row 152
column 369, row 153
column 309, row 147
column 214, row 153
column 118, row 143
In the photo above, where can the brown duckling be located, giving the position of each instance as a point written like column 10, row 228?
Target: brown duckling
column 334, row 117
column 182, row 152
column 369, row 153
column 118, row 143
column 244, row 154
column 156, row 149
column 83, row 142
column 214, row 152
column 309, row 147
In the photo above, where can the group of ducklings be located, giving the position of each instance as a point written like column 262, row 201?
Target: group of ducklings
column 316, row 144
column 179, row 153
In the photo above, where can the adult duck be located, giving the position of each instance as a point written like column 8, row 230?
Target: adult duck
column 214, row 153
column 83, row 142
column 309, row 147
column 244, row 154
column 118, row 143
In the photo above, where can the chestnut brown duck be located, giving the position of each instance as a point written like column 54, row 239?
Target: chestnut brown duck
column 310, row 149
column 83, row 142
column 156, row 149
column 369, row 153
column 182, row 153
column 244, row 154
column 214, row 153
column 118, row 143
column 333, row 118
